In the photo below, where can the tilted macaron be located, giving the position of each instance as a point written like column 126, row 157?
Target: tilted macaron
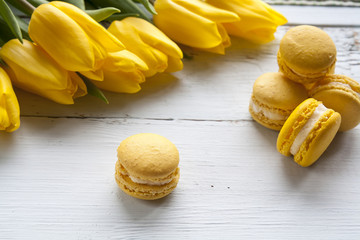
column 306, row 54
column 342, row 94
column 308, row 132
column 273, row 99
column 147, row 166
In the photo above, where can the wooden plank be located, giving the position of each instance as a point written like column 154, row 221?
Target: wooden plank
column 56, row 182
column 321, row 16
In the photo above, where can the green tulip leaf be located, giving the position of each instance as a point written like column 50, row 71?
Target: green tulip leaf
column 79, row 3
column 2, row 42
column 148, row 6
column 125, row 6
column 10, row 20
column 92, row 89
column 22, row 5
column 102, row 13
column 121, row 16
column 37, row 3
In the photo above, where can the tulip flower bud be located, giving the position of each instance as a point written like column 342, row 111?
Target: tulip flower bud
column 72, row 38
column 32, row 69
column 258, row 20
column 149, row 43
column 194, row 23
column 9, row 106
column 124, row 74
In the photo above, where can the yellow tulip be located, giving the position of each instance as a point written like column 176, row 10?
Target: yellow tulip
column 123, row 76
column 9, row 106
column 72, row 38
column 32, row 69
column 259, row 20
column 121, row 82
column 149, row 43
column 194, row 23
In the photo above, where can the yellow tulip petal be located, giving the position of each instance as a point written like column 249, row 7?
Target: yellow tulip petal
column 28, row 61
column 121, row 82
column 258, row 20
column 93, row 29
column 159, row 63
column 81, row 87
column 257, row 35
column 174, row 65
column 203, row 9
column 124, row 61
column 62, row 38
column 33, row 70
column 9, row 106
column 97, row 75
column 154, row 58
column 154, row 37
column 186, row 27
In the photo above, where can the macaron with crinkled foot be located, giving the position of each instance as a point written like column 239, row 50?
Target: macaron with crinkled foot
column 308, row 132
column 342, row 94
column 273, row 99
column 147, row 166
column 306, row 54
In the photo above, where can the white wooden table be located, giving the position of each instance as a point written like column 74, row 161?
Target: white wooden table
column 57, row 170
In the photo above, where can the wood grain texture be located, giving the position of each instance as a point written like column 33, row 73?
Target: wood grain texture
column 56, row 182
column 57, row 170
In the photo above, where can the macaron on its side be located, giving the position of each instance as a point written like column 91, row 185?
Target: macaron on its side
column 147, row 166
column 294, row 124
column 319, row 138
column 273, row 99
column 342, row 94
column 306, row 53
column 308, row 132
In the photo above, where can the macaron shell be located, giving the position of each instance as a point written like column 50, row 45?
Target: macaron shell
column 344, row 100
column 294, row 124
column 307, row 49
column 277, row 97
column 148, row 156
column 305, row 77
column 143, row 191
column 344, row 103
column 274, row 90
column 319, row 139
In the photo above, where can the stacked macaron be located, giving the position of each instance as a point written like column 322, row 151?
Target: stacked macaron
column 147, row 166
column 305, row 100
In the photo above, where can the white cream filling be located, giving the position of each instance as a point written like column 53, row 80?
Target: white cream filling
column 147, row 182
column 306, row 129
column 270, row 115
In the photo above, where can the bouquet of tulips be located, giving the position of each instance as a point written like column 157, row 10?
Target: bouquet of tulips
column 61, row 50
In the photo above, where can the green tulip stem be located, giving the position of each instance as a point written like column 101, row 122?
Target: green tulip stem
column 92, row 89
column 23, row 6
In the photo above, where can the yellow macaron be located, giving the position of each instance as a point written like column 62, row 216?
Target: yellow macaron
column 273, row 99
column 342, row 94
column 147, row 166
column 306, row 54
column 308, row 132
